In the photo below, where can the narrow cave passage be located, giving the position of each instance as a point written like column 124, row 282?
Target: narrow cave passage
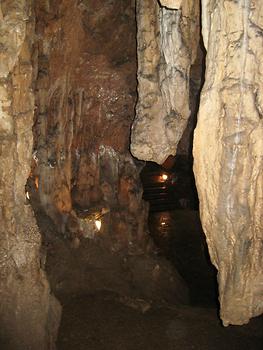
column 85, row 262
column 174, row 220
column 176, row 229
column 118, row 288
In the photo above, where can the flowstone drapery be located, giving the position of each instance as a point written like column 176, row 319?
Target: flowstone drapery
column 228, row 146
column 167, row 45
column 228, row 153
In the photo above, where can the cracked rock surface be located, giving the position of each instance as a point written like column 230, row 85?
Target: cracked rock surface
column 228, row 153
column 167, row 44
column 29, row 315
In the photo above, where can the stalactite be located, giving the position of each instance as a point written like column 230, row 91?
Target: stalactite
column 167, row 45
column 228, row 153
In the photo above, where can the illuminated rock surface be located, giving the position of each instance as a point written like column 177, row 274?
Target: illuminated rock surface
column 228, row 153
column 85, row 97
column 167, row 45
column 172, row 4
column 229, row 137
column 67, row 69
column 29, row 315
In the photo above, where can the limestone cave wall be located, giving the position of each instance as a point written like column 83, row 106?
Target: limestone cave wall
column 29, row 314
column 228, row 138
column 228, row 153
column 68, row 74
column 82, row 168
column 67, row 69
column 86, row 92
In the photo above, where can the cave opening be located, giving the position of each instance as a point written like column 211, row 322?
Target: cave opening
column 173, row 219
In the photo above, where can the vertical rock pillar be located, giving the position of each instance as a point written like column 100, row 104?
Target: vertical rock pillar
column 29, row 315
column 228, row 153
column 168, row 37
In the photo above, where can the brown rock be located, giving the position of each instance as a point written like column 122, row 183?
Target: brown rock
column 85, row 96
column 29, row 314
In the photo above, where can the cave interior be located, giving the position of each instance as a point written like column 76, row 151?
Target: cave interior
column 104, row 243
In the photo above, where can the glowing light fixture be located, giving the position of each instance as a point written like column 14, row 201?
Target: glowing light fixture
column 27, row 195
column 164, row 177
column 98, row 224
column 163, row 223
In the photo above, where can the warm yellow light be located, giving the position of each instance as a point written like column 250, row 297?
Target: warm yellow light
column 163, row 223
column 164, row 177
column 98, row 224
column 27, row 195
column 36, row 182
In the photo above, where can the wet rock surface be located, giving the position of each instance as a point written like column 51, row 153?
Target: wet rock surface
column 104, row 321
column 228, row 154
column 178, row 235
column 86, row 91
column 91, row 266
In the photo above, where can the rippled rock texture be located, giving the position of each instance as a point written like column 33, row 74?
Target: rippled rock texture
column 29, row 315
column 167, row 44
column 228, row 153
column 171, row 4
column 86, row 93
column 229, row 137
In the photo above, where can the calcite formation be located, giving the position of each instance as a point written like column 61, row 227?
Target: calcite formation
column 86, row 91
column 167, row 44
column 29, row 315
column 172, row 4
column 228, row 153
column 85, row 98
column 229, row 137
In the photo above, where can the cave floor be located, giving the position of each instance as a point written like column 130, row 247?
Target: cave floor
column 180, row 238
column 102, row 322
column 105, row 321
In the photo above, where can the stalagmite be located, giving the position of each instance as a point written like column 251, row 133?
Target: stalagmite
column 228, row 153
column 167, row 44
column 29, row 315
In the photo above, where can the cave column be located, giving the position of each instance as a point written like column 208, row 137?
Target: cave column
column 29, row 315
column 228, row 153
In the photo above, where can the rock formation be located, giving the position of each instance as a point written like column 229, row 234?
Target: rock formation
column 67, row 70
column 228, row 153
column 29, row 315
column 167, row 45
column 86, row 91
column 82, row 168
column 229, row 136
column 171, row 4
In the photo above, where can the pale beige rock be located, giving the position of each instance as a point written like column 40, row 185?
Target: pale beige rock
column 13, row 19
column 172, row 4
column 167, row 44
column 228, row 153
column 29, row 315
